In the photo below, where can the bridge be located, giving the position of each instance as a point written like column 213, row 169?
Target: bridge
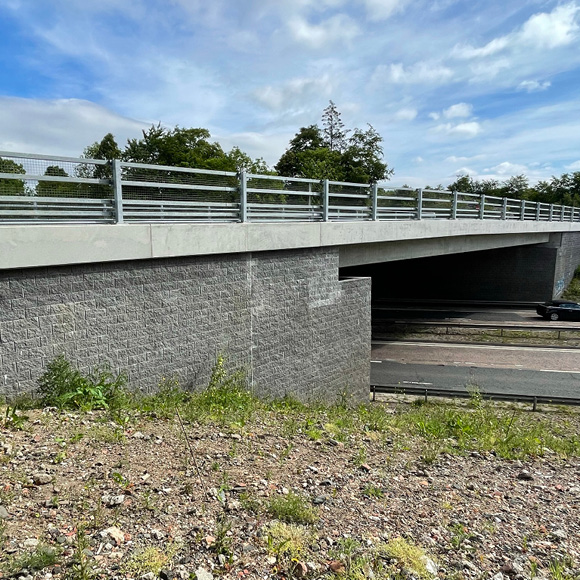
column 157, row 270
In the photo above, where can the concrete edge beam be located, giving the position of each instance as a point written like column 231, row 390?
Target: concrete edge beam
column 27, row 246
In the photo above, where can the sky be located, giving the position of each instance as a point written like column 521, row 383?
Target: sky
column 478, row 87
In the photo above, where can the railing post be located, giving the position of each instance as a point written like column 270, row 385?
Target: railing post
column 482, row 206
column 117, row 189
column 375, row 201
column 551, row 212
column 420, row 204
column 454, row 206
column 325, row 199
column 523, row 210
column 504, row 209
column 561, row 213
column 243, row 186
column 572, row 212
column 538, row 208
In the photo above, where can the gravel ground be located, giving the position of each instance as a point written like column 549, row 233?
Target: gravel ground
column 97, row 500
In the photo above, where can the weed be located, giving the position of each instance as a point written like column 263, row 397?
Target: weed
column 291, row 508
column 12, row 420
column 223, row 538
column 361, row 456
column 65, row 387
column 562, row 568
column 373, row 491
column 41, row 557
column 250, row 503
column 459, row 534
column 288, row 543
column 149, row 559
column 407, row 555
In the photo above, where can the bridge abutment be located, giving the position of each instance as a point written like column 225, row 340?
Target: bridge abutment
column 284, row 316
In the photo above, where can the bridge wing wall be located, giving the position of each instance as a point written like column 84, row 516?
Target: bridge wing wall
column 284, row 316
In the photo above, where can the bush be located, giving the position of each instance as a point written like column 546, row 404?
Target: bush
column 65, row 387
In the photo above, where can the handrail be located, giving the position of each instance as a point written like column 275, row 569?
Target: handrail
column 32, row 176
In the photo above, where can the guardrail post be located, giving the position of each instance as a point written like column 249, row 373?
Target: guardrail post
column 454, row 206
column 561, row 213
column 538, row 211
column 375, row 201
column 482, row 206
column 117, row 190
column 420, row 204
column 551, row 212
column 243, row 196
column 325, row 199
column 504, row 209
column 523, row 210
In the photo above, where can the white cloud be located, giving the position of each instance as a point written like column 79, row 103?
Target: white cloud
column 406, row 114
column 418, row 160
column 534, row 86
column 383, row 9
column 468, row 130
column 421, row 72
column 338, row 28
column 45, row 126
column 557, row 28
column 575, row 166
column 507, row 168
column 458, row 110
column 294, row 93
column 541, row 31
column 435, row 116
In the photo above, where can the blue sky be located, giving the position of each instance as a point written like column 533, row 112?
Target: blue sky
column 482, row 87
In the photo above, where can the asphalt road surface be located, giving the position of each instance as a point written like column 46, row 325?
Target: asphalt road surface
column 509, row 369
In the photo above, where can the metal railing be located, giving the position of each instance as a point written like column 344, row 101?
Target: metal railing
column 48, row 189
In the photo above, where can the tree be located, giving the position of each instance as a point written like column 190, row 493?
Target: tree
column 56, row 188
column 333, row 129
column 362, row 160
column 11, row 186
column 328, row 154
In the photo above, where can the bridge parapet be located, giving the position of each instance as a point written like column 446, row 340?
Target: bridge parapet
column 48, row 189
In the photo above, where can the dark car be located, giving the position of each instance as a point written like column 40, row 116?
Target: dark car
column 559, row 310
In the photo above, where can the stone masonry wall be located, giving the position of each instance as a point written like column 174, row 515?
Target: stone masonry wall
column 567, row 260
column 284, row 316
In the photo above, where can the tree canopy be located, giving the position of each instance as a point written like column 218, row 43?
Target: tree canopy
column 329, row 153
column 563, row 190
column 11, row 186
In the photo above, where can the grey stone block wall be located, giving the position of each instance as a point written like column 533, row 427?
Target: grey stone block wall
column 567, row 261
column 283, row 316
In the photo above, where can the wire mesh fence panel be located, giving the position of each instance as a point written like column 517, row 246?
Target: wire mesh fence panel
column 468, row 205
column 513, row 208
column 163, row 183
column 396, row 203
column 437, row 204
column 46, row 176
column 273, row 198
column 349, row 201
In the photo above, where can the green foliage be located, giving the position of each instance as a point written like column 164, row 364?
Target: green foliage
column 41, row 557
column 226, row 400
column 149, row 559
column 181, row 147
column 11, row 186
column 65, row 387
column 56, row 188
column 329, row 154
column 572, row 292
column 12, row 420
column 407, row 556
column 288, row 543
column 291, row 508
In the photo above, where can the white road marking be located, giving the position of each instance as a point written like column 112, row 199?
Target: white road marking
column 376, row 361
column 415, row 383
column 559, row 371
column 478, row 346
